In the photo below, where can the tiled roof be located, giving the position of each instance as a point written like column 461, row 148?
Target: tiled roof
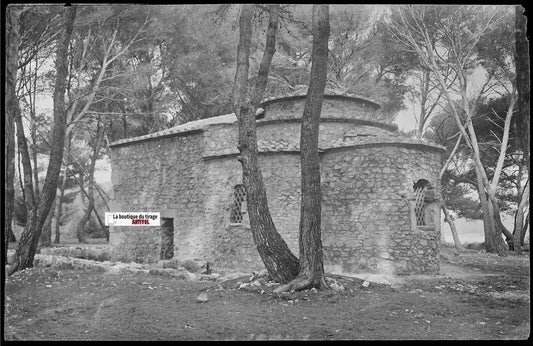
column 183, row 128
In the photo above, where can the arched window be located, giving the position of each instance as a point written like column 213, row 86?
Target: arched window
column 420, row 188
column 239, row 196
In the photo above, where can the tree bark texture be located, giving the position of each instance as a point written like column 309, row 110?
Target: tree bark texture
column 59, row 198
column 522, row 81
column 46, row 233
column 524, row 230
column 32, row 93
column 281, row 264
column 29, row 196
column 493, row 238
column 27, row 245
column 519, row 220
column 310, row 240
column 447, row 217
column 11, row 107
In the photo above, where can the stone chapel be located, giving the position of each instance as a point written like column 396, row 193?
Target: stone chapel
column 379, row 212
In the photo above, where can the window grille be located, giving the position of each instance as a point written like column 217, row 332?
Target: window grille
column 239, row 197
column 419, row 205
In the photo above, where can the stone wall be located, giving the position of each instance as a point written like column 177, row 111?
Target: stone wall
column 221, row 140
column 281, row 174
column 226, row 245
column 329, row 131
column 366, row 216
column 135, row 244
column 230, row 244
column 162, row 175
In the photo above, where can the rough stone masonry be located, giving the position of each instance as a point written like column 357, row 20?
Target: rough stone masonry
column 373, row 220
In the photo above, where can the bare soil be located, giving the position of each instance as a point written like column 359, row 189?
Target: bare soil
column 476, row 296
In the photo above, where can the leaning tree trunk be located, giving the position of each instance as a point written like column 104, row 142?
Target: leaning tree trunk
column 59, row 208
column 519, row 219
column 27, row 245
column 59, row 198
column 489, row 228
column 500, row 227
column 11, row 106
column 80, row 229
column 447, row 217
column 29, row 196
column 311, row 259
column 524, row 230
column 280, row 262
column 46, row 233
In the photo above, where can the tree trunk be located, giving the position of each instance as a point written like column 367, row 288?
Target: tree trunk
column 281, row 264
column 80, row 229
column 488, row 220
column 524, row 230
column 522, row 80
column 29, row 196
column 424, row 91
column 519, row 220
column 311, row 259
column 500, row 227
column 59, row 199
column 27, row 245
column 11, row 107
column 447, row 217
column 59, row 207
column 32, row 91
column 46, row 233
column 81, row 179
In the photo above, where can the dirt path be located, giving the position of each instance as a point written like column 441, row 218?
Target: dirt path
column 478, row 296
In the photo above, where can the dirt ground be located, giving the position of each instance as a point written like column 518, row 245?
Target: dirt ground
column 476, row 296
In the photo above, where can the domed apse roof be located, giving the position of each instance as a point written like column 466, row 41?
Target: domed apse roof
column 329, row 92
